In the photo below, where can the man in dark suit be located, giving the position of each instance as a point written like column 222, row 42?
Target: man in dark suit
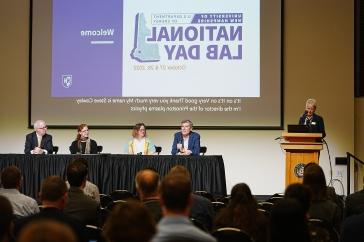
column 186, row 142
column 79, row 205
column 314, row 122
column 38, row 142
column 53, row 195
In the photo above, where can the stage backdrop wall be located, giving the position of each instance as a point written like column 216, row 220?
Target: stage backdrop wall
column 318, row 62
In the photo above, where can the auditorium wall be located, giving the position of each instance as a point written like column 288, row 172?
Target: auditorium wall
column 318, row 62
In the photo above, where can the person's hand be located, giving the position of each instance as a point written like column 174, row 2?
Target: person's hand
column 38, row 150
column 188, row 152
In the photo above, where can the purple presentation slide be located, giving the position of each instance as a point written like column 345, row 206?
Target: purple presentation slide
column 87, row 48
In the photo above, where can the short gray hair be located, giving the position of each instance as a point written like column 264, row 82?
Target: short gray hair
column 187, row 121
column 38, row 123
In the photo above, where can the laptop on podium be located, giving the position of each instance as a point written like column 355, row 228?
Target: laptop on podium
column 298, row 128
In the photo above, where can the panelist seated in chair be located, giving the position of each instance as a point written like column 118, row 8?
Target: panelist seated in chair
column 309, row 118
column 38, row 142
column 140, row 144
column 186, row 142
column 83, row 144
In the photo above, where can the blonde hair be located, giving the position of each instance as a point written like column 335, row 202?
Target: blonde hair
column 311, row 102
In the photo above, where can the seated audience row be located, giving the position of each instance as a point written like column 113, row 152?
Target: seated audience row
column 185, row 142
column 168, row 208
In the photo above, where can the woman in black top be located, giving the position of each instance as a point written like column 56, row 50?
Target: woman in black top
column 83, row 144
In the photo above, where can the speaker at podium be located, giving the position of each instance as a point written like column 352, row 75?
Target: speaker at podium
column 301, row 148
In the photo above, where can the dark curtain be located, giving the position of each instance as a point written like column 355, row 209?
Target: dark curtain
column 111, row 172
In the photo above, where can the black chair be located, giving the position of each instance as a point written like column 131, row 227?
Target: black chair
column 114, row 203
column 203, row 150
column 55, row 149
column 94, row 234
column 228, row 234
column 225, row 200
column 99, row 149
column 218, row 206
column 121, row 195
column 104, row 214
column 264, row 212
column 267, row 206
column 322, row 231
column 158, row 149
column 205, row 194
column 105, row 200
column 275, row 198
column 198, row 224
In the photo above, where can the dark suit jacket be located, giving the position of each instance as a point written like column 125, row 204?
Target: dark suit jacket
column 193, row 143
column 54, row 214
column 82, row 207
column 154, row 207
column 317, row 124
column 31, row 142
column 202, row 211
column 74, row 147
column 354, row 204
column 352, row 229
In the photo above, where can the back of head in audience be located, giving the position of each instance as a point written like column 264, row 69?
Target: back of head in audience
column 241, row 212
column 46, row 231
column 241, row 194
column 147, row 183
column 77, row 173
column 288, row 222
column 314, row 178
column 129, row 222
column 299, row 192
column 54, row 192
column 175, row 194
column 6, row 218
column 11, row 177
column 180, row 170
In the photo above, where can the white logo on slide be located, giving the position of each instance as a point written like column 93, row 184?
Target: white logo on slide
column 66, row 81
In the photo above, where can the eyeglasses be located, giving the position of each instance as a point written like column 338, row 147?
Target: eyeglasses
column 86, row 130
column 45, row 127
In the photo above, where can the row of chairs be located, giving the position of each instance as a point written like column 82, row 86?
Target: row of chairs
column 222, row 234
column 158, row 149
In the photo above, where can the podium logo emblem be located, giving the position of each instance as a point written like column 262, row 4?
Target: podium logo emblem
column 66, row 81
column 298, row 170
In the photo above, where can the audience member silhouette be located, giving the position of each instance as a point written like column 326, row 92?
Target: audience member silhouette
column 79, row 205
column 242, row 213
column 201, row 210
column 352, row 229
column 11, row 181
column 288, row 222
column 354, row 203
column 54, row 196
column 321, row 207
column 6, row 220
column 129, row 222
column 47, row 231
column 301, row 193
column 90, row 189
column 176, row 200
column 147, row 186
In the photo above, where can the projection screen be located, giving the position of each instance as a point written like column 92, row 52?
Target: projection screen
column 119, row 62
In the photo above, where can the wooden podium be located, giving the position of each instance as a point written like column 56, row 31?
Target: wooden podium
column 301, row 148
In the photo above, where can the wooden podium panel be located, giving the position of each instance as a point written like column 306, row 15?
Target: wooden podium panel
column 301, row 148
